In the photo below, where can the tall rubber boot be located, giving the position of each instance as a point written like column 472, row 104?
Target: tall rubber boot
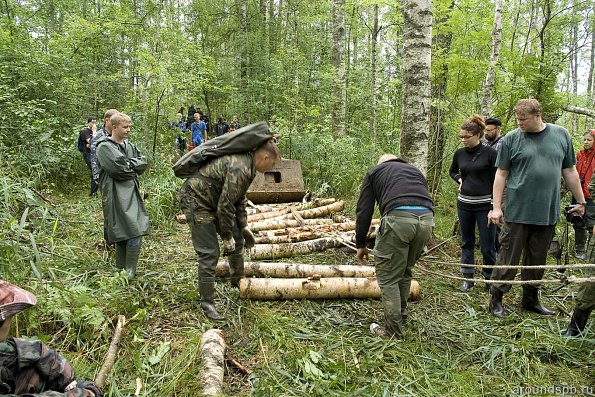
column 236, row 269
column 531, row 302
column 207, row 300
column 120, row 254
column 578, row 322
column 495, row 307
column 132, row 254
column 467, row 284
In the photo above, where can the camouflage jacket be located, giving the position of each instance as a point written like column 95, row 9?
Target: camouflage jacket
column 94, row 167
column 30, row 368
column 124, row 213
column 218, row 192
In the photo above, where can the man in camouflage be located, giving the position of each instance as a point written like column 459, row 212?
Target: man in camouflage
column 105, row 131
column 30, row 368
column 214, row 202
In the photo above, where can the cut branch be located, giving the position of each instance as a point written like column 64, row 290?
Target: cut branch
column 110, row 357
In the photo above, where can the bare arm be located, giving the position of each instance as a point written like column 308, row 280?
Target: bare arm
column 496, row 215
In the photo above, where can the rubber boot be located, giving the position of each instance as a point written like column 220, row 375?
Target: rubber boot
column 495, row 307
column 467, row 284
column 207, row 301
column 120, row 254
column 236, row 269
column 531, row 302
column 132, row 254
column 578, row 322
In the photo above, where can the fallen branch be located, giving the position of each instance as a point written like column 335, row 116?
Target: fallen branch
column 110, row 357
column 236, row 364
column 212, row 351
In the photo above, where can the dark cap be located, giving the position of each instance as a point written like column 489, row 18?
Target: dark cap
column 14, row 300
column 91, row 118
column 492, row 121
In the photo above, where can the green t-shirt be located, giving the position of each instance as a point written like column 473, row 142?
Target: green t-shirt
column 534, row 162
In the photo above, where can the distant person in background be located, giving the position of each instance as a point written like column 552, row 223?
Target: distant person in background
column 585, row 164
column 205, row 119
column 493, row 133
column 234, row 125
column 473, row 168
column 221, row 127
column 125, row 217
column 29, row 367
column 198, row 129
column 84, row 146
column 190, row 118
column 179, row 138
column 105, row 131
column 401, row 192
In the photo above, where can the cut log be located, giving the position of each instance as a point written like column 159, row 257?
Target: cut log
column 311, row 288
column 212, row 352
column 285, row 223
column 259, row 217
column 318, row 212
column 272, row 251
column 297, row 270
column 322, row 228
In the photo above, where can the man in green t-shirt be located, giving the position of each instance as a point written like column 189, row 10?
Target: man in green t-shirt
column 530, row 162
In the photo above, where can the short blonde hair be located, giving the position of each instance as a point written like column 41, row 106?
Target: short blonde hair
column 386, row 157
column 109, row 113
column 528, row 106
column 119, row 118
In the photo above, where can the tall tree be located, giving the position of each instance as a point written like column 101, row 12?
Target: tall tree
column 486, row 105
column 373, row 50
column 417, row 55
column 340, row 97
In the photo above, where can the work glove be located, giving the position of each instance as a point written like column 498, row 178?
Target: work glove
column 249, row 240
column 90, row 386
column 229, row 246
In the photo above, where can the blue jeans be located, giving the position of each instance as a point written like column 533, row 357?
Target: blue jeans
column 487, row 239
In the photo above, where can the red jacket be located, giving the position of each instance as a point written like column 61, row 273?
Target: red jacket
column 585, row 163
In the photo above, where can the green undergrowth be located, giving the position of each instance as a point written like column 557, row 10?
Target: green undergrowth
column 452, row 346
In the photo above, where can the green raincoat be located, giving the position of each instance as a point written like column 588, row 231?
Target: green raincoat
column 124, row 213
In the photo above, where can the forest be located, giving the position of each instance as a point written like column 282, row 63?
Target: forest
column 342, row 82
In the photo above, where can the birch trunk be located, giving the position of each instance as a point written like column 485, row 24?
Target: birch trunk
column 374, row 35
column 212, row 352
column 417, row 49
column 488, row 89
column 314, row 288
column 274, row 251
column 340, row 97
column 285, row 223
column 297, row 270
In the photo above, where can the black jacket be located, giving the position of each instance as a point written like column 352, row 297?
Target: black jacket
column 391, row 184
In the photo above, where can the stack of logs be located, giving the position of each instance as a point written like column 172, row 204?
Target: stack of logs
column 286, row 230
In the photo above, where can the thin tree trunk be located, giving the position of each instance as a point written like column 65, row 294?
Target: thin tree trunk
column 591, row 80
column 297, row 270
column 486, row 107
column 374, row 37
column 340, row 100
column 417, row 51
column 574, row 48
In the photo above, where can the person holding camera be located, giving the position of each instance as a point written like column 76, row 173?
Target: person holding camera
column 530, row 162
column 29, row 367
column 585, row 163
column 473, row 168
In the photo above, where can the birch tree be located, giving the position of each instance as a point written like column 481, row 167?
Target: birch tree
column 340, row 99
column 486, row 105
column 417, row 42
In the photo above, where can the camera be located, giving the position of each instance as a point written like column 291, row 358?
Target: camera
column 573, row 217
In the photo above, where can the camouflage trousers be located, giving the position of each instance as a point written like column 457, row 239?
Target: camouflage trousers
column 400, row 241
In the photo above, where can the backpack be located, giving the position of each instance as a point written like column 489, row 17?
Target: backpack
column 245, row 139
column 80, row 145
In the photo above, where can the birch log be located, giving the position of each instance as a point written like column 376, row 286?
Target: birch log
column 297, row 270
column 285, row 223
column 272, row 251
column 212, row 351
column 312, row 288
column 318, row 212
column 327, row 228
